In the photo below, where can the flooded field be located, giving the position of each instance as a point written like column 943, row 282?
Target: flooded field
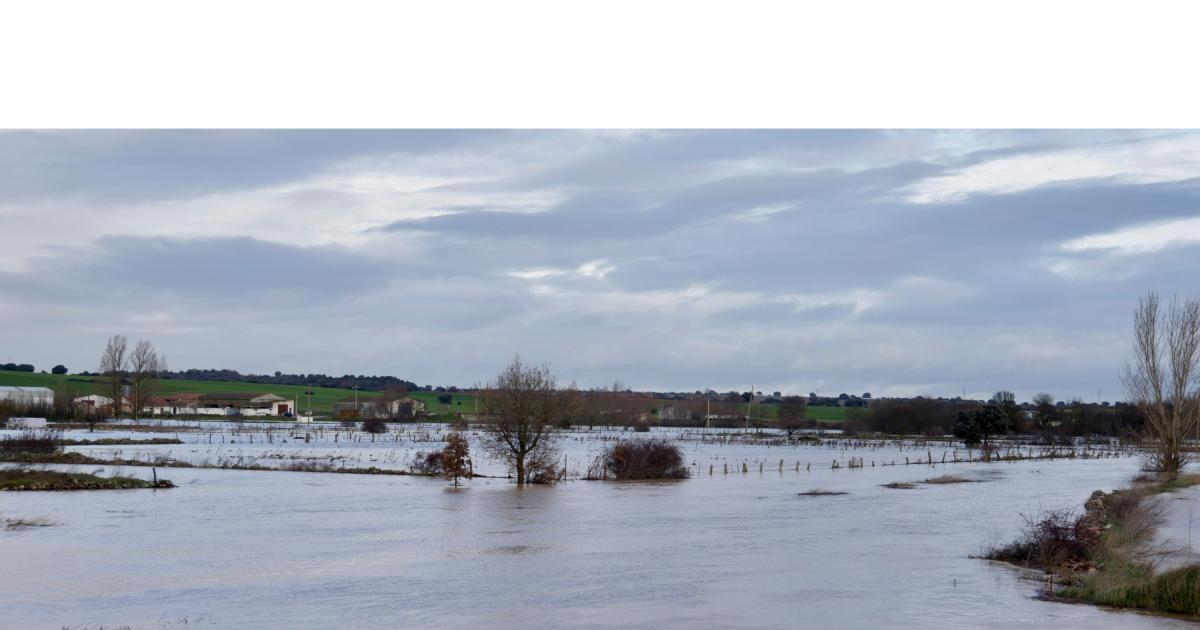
column 237, row 548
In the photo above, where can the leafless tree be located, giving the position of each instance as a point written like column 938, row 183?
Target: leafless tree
column 1163, row 378
column 145, row 366
column 792, row 414
column 520, row 412
column 113, row 364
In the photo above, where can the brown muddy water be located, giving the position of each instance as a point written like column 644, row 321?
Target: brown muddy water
column 231, row 548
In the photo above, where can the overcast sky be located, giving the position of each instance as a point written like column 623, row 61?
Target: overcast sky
column 898, row 263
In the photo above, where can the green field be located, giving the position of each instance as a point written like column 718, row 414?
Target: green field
column 820, row 414
column 324, row 397
column 322, row 400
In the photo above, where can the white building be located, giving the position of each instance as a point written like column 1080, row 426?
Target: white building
column 27, row 395
column 94, row 401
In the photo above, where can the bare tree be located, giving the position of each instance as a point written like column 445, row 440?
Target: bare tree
column 144, row 368
column 1163, row 378
column 520, row 411
column 792, row 413
column 1045, row 413
column 113, row 364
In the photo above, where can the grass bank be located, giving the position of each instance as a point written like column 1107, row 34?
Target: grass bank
column 1103, row 555
column 20, row 479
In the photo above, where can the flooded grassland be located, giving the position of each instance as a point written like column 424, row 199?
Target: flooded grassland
column 230, row 548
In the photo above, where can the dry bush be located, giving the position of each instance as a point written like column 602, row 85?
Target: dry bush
column 542, row 467
column 426, row 463
column 29, row 442
column 375, row 425
column 1047, row 541
column 654, row 458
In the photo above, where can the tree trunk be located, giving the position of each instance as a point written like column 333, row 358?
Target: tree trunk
column 520, row 466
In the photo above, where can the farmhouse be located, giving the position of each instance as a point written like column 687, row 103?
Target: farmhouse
column 27, row 395
column 94, row 403
column 403, row 408
column 222, row 404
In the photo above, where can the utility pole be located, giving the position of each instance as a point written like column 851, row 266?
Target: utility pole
column 356, row 398
column 708, row 408
column 749, row 404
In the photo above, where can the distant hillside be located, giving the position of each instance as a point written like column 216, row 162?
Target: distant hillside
column 323, row 397
column 322, row 400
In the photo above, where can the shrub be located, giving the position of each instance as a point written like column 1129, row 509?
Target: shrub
column 29, row 442
column 1050, row 540
column 643, row 459
column 456, row 457
column 426, row 463
column 641, row 427
column 374, row 425
column 542, row 467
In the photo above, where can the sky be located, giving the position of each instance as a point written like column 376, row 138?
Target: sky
column 899, row 263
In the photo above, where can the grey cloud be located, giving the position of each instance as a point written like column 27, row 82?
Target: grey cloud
column 433, row 299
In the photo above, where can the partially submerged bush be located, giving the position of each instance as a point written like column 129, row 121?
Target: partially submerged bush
column 1112, row 529
column 654, row 458
column 375, row 425
column 944, row 479
column 1047, row 541
column 426, row 463
column 456, row 457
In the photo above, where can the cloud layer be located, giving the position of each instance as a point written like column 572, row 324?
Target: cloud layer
column 908, row 262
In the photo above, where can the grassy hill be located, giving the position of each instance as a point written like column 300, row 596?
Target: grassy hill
column 323, row 397
column 322, row 400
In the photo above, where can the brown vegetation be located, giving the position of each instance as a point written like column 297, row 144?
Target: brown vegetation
column 456, row 457
column 520, row 412
column 654, row 458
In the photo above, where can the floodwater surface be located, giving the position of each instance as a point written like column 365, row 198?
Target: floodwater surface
column 233, row 548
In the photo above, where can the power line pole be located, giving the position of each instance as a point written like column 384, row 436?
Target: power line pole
column 749, row 404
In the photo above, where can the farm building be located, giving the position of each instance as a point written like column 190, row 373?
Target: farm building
column 94, row 401
column 403, row 408
column 27, row 395
column 222, row 404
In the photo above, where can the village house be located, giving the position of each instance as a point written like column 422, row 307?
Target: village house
column 94, row 404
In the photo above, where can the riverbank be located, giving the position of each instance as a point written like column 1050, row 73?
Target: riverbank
column 1106, row 556
column 20, row 479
